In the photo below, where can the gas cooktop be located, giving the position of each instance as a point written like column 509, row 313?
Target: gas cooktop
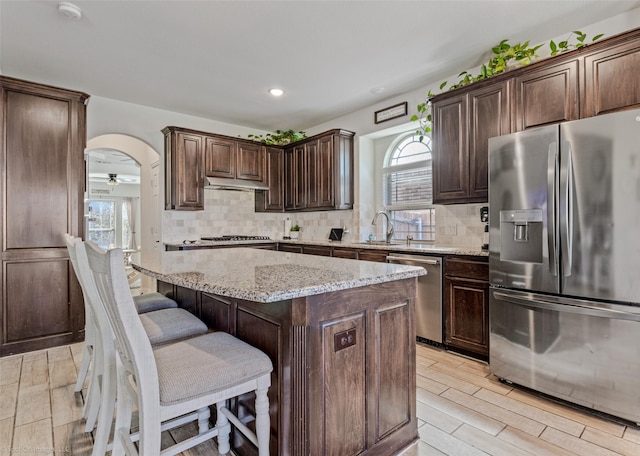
column 235, row 237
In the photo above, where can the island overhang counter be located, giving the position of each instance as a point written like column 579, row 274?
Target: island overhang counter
column 340, row 334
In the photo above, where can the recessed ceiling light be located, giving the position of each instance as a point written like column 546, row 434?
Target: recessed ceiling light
column 276, row 92
column 70, row 10
column 377, row 90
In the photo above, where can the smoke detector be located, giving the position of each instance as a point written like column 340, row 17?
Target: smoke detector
column 70, row 10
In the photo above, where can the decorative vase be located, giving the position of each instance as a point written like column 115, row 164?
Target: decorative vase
column 294, row 234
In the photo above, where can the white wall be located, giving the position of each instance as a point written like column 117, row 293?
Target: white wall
column 113, row 116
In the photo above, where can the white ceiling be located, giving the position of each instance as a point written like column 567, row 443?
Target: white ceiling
column 217, row 59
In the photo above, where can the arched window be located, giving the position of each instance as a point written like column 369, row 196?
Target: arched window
column 408, row 188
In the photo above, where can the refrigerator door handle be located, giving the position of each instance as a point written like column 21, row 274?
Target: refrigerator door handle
column 566, row 185
column 552, row 178
column 538, row 302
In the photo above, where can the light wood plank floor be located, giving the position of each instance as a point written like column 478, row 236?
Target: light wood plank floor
column 462, row 410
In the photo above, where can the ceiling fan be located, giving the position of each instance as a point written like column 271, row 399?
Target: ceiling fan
column 114, row 179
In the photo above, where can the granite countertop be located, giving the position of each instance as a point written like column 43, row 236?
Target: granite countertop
column 397, row 246
column 268, row 276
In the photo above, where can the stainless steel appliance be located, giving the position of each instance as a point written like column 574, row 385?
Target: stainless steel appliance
column 565, row 260
column 429, row 294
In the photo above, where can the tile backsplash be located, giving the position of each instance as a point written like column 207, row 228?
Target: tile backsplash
column 233, row 212
column 459, row 225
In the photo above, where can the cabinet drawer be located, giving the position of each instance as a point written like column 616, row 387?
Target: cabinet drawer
column 345, row 253
column 469, row 268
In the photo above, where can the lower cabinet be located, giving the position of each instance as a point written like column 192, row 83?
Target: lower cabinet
column 316, row 250
column 466, row 303
column 291, row 248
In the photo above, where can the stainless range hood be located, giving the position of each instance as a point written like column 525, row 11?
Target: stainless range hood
column 224, row 183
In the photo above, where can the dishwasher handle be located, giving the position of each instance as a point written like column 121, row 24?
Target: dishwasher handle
column 391, row 259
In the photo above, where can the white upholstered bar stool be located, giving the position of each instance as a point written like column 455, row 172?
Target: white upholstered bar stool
column 161, row 326
column 177, row 379
column 147, row 302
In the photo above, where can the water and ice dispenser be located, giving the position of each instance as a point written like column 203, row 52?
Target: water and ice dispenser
column 521, row 235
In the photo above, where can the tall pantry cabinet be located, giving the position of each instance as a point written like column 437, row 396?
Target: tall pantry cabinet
column 41, row 198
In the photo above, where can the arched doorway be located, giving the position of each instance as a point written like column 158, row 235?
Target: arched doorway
column 149, row 223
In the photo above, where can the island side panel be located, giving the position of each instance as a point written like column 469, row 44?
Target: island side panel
column 267, row 327
column 383, row 350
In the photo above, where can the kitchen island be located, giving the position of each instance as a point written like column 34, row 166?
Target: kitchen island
column 340, row 334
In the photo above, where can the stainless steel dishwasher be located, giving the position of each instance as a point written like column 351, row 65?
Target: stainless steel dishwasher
column 429, row 294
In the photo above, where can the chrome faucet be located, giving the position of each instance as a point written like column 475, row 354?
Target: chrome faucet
column 389, row 224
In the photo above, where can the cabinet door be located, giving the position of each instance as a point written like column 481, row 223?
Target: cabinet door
column 379, row 256
column 611, row 79
column 488, row 117
column 451, row 150
column 467, row 314
column 219, row 157
column 274, row 198
column 250, row 161
column 341, row 252
column 325, row 172
column 289, row 167
column 289, row 248
column 295, row 175
column 189, row 169
column 314, row 177
column 42, row 180
column 546, row 96
column 316, row 250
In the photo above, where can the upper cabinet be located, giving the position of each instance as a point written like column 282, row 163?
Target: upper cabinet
column 184, row 169
column 546, row 95
column 612, row 80
column 462, row 126
column 317, row 173
column 192, row 156
column 597, row 79
column 272, row 200
column 313, row 174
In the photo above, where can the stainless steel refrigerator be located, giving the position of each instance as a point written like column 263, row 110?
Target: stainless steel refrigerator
column 564, row 258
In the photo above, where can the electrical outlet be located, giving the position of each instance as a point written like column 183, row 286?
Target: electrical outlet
column 344, row 339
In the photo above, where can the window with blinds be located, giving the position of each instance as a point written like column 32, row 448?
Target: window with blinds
column 408, row 188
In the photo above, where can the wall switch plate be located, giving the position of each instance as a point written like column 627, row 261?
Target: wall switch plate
column 344, row 339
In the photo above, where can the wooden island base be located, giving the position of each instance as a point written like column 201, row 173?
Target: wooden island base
column 344, row 379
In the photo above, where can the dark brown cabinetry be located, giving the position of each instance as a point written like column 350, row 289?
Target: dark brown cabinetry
column 611, row 78
column 326, row 399
column 596, row 79
column 184, row 170
column 42, row 180
column 316, row 250
column 224, row 157
column 295, row 177
column 546, row 95
column 462, row 126
column 318, row 174
column 377, row 255
column 291, row 248
column 273, row 199
column 466, row 304
column 191, row 156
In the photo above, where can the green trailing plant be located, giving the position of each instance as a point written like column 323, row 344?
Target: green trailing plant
column 279, row 137
column 505, row 56
column 565, row 46
column 295, row 228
